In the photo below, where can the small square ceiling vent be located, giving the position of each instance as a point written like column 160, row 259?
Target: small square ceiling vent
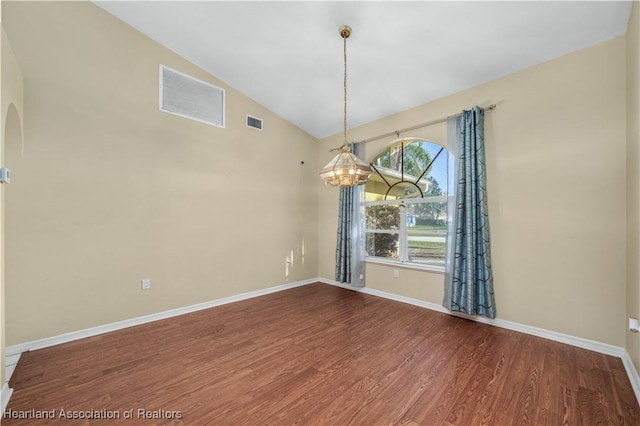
column 189, row 97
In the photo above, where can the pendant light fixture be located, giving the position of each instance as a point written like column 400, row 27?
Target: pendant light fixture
column 345, row 169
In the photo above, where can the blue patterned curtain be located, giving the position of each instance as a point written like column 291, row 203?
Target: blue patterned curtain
column 469, row 281
column 350, row 243
column 343, row 243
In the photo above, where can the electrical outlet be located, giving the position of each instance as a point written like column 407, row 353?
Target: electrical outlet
column 396, row 273
column 146, row 284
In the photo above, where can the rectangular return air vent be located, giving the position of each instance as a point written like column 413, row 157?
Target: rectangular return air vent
column 254, row 122
column 191, row 98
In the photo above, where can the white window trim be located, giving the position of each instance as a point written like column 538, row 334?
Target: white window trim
column 440, row 199
column 405, row 265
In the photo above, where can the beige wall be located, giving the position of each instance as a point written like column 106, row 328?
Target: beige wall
column 11, row 113
column 556, row 176
column 110, row 190
column 633, row 180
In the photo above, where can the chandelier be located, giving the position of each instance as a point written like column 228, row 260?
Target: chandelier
column 345, row 169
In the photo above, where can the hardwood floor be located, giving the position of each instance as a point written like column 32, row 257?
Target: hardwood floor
column 318, row 354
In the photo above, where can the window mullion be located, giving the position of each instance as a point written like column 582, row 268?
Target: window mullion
column 402, row 238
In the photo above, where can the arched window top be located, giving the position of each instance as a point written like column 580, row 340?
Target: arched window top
column 409, row 168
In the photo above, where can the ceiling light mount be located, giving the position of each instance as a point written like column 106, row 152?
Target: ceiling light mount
column 345, row 31
column 345, row 169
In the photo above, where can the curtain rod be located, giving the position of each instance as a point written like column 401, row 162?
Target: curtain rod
column 419, row 126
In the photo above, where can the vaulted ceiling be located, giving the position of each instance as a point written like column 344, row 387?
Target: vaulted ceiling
column 288, row 55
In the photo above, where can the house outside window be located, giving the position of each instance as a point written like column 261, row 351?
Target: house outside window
column 405, row 208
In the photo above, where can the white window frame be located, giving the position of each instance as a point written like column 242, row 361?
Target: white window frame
column 403, row 256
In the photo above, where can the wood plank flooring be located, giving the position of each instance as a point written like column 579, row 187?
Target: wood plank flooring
column 318, row 355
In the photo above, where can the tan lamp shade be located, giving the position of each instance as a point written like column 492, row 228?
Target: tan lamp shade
column 345, row 170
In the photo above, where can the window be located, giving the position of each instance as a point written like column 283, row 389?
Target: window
column 405, row 206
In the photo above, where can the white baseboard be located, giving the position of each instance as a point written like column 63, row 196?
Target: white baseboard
column 5, row 394
column 93, row 331
column 522, row 328
column 634, row 378
column 10, row 363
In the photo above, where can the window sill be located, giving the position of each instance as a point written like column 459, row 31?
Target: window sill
column 405, row 265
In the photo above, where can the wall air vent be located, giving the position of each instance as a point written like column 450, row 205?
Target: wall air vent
column 191, row 98
column 254, row 122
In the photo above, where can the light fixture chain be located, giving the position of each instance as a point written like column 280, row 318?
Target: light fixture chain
column 346, row 169
column 345, row 89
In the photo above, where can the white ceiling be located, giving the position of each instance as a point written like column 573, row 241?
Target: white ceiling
column 288, row 55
